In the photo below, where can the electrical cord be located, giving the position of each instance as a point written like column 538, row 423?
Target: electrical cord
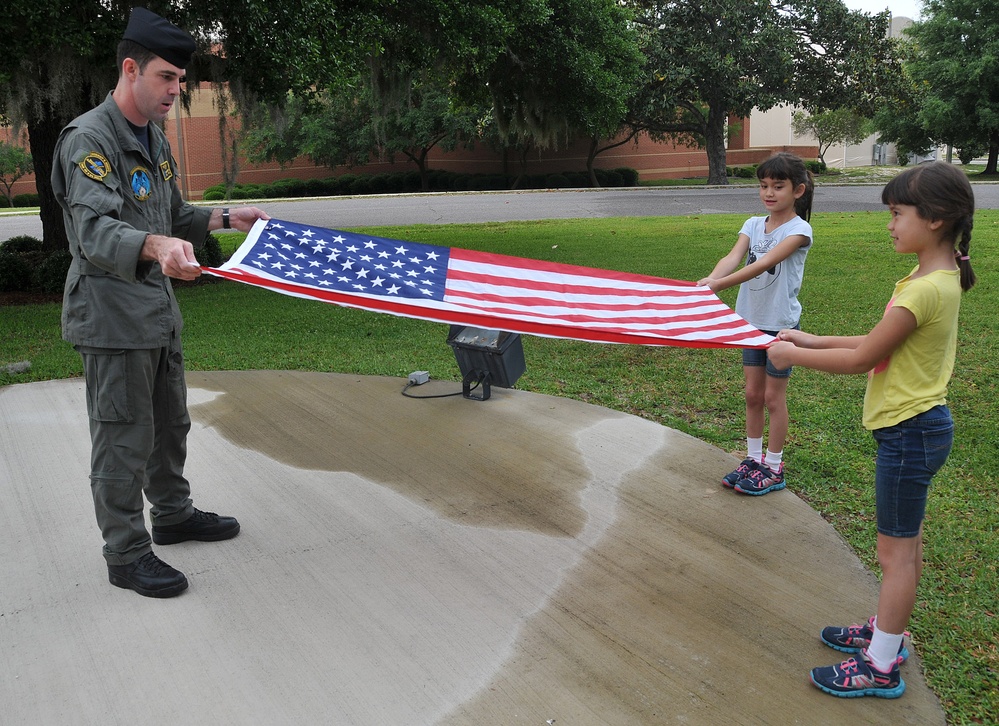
column 435, row 395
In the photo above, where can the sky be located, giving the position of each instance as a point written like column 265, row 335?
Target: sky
column 898, row 8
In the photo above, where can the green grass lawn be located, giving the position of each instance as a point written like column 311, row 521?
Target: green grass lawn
column 848, row 278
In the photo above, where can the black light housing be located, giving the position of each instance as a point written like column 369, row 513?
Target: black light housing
column 486, row 358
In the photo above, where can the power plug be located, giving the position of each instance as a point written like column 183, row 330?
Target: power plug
column 418, row 378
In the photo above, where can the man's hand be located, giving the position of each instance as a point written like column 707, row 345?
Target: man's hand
column 175, row 255
column 240, row 218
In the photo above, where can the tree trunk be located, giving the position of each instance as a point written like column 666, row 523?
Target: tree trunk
column 44, row 133
column 714, row 142
column 990, row 167
column 590, row 157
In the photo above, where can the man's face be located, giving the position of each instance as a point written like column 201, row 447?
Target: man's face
column 156, row 88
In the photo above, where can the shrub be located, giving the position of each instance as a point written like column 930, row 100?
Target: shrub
column 26, row 200
column 610, row 178
column 629, row 175
column 210, row 255
column 15, row 271
column 816, row 167
column 50, row 274
column 22, row 243
column 360, row 185
column 213, row 195
column 744, row 172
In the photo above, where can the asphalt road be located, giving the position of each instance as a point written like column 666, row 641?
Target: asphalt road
column 449, row 208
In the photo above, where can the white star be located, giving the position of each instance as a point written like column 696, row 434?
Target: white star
column 393, row 290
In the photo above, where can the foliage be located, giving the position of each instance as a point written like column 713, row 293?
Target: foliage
column 402, row 182
column 15, row 162
column 709, row 61
column 956, row 61
column 565, row 73
column 26, row 266
column 839, row 126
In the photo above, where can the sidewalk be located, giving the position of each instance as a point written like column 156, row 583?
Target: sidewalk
column 521, row 560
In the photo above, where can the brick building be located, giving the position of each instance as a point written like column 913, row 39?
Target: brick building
column 195, row 138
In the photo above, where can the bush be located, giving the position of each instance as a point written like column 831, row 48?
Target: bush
column 26, row 267
column 26, row 200
column 609, row 178
column 816, row 167
column 744, row 172
column 15, row 271
column 629, row 175
column 49, row 275
column 213, row 195
column 210, row 255
column 22, row 243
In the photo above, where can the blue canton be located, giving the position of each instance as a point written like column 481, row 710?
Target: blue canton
column 346, row 262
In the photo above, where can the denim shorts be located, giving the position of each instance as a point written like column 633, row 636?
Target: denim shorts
column 909, row 454
column 755, row 357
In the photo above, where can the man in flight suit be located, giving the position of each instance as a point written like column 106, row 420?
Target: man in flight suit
column 129, row 232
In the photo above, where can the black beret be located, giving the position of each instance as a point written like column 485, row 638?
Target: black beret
column 159, row 35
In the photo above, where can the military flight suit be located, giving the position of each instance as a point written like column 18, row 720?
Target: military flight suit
column 120, row 313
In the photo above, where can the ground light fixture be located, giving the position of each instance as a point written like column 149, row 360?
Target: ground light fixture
column 486, row 358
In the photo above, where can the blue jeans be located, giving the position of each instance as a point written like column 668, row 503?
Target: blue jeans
column 756, row 357
column 909, row 454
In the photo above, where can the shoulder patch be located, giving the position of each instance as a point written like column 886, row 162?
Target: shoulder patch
column 95, row 166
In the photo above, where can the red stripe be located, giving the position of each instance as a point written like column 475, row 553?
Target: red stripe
column 559, row 268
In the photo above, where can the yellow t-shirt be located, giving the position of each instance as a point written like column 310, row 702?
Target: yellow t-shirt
column 914, row 378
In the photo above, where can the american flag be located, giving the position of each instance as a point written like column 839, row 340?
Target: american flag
column 484, row 290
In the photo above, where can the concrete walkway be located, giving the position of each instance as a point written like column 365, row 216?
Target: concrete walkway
column 521, row 560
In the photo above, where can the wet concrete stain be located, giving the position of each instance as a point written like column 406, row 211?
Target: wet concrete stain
column 330, row 422
column 686, row 604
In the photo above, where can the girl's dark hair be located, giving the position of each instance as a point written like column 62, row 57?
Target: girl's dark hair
column 784, row 165
column 940, row 192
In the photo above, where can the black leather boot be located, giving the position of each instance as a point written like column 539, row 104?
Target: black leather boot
column 149, row 576
column 201, row 526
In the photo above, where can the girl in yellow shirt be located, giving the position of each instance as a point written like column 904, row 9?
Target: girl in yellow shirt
column 909, row 357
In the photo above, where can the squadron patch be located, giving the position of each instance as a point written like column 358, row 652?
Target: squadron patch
column 140, row 183
column 166, row 171
column 95, row 166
